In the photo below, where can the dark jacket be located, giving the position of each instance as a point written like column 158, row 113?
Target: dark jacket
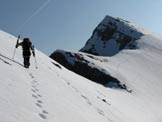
column 26, row 46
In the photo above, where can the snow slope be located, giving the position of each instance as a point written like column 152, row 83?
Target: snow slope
column 51, row 93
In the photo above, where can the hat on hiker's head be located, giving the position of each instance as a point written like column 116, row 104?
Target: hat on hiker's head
column 26, row 40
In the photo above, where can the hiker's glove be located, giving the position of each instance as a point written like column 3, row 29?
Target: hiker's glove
column 33, row 53
column 16, row 46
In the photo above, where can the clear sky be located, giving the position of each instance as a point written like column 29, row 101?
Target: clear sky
column 68, row 24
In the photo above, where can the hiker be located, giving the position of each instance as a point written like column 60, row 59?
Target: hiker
column 27, row 48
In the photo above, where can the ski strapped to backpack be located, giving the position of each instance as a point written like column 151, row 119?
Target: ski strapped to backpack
column 16, row 46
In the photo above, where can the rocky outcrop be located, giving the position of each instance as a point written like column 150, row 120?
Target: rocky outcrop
column 79, row 64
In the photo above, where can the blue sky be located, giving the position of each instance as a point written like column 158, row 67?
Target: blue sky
column 68, row 24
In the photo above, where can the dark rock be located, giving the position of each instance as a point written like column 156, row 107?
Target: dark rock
column 82, row 68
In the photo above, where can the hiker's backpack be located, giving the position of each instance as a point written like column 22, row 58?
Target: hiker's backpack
column 26, row 44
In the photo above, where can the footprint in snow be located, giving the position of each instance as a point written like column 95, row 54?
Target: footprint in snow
column 36, row 89
column 43, row 116
column 101, row 112
column 34, row 86
column 103, row 100
column 39, row 105
column 35, row 82
column 31, row 75
column 68, row 83
column 33, row 95
column 87, row 100
column 39, row 95
column 33, row 90
column 45, row 112
column 75, row 89
column 39, row 101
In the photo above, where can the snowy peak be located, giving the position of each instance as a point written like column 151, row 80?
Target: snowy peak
column 113, row 35
column 122, row 26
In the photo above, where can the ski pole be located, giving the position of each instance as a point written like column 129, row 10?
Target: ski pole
column 15, row 47
column 14, row 53
column 35, row 57
column 36, row 63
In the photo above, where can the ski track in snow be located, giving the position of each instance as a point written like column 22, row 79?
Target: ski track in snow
column 5, row 61
column 35, row 90
column 12, row 60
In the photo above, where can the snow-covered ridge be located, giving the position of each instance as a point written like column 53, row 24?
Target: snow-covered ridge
column 113, row 35
column 87, row 65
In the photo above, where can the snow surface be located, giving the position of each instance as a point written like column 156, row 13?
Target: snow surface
column 55, row 94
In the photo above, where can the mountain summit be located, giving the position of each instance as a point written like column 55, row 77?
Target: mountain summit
column 111, row 36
